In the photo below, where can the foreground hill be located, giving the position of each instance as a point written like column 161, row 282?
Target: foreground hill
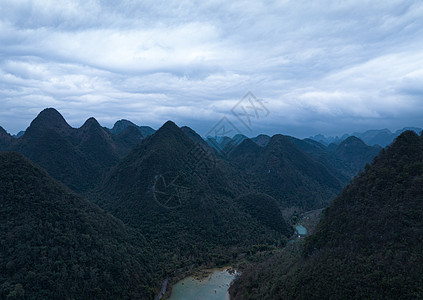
column 368, row 244
column 184, row 200
column 55, row 245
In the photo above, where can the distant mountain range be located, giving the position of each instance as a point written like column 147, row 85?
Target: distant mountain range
column 81, row 157
column 382, row 137
column 375, row 137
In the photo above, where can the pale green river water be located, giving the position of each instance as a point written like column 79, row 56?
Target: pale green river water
column 214, row 287
column 301, row 229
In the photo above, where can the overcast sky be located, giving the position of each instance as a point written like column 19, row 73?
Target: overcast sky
column 328, row 67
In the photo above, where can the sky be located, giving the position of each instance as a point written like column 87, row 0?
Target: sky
column 292, row 67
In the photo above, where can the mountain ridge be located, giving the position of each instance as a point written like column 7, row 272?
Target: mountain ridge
column 381, row 137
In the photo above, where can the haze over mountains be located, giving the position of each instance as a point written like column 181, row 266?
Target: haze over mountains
column 382, row 137
column 160, row 203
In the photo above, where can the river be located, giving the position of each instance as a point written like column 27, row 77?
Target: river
column 212, row 287
column 301, row 229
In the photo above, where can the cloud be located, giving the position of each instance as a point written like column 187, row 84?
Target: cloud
column 325, row 66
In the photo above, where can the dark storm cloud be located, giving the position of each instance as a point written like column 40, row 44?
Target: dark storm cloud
column 320, row 66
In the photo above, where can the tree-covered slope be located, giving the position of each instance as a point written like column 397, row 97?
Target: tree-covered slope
column 369, row 243
column 56, row 245
column 284, row 171
column 183, row 199
column 355, row 154
column 265, row 209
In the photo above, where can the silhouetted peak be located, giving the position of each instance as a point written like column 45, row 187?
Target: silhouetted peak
column 121, row 125
column 168, row 128
column 169, row 125
column 408, row 134
column 407, row 139
column 92, row 128
column 124, row 122
column 48, row 119
column 261, row 140
column 352, row 141
column 415, row 129
column 263, row 136
column 278, row 139
column 238, row 138
column 91, row 122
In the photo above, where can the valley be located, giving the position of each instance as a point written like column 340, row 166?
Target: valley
column 211, row 150
column 158, row 206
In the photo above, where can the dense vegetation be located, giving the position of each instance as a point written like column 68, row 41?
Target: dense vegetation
column 183, row 199
column 355, row 154
column 196, row 202
column 345, row 160
column 264, row 209
column 368, row 245
column 287, row 173
column 55, row 245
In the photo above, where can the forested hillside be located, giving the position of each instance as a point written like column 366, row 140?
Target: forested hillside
column 368, row 245
column 56, row 245
column 184, row 200
column 284, row 171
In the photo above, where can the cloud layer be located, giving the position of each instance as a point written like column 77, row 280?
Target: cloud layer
column 321, row 66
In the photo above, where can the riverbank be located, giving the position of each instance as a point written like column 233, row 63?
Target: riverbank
column 206, row 284
column 307, row 220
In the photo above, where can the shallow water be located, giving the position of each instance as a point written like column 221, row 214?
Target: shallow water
column 301, row 229
column 213, row 287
